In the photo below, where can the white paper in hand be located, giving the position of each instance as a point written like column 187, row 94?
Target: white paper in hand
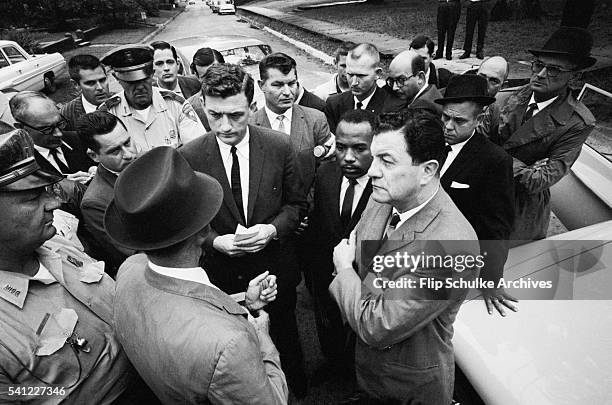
column 243, row 233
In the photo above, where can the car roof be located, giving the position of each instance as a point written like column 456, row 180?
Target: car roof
column 219, row 43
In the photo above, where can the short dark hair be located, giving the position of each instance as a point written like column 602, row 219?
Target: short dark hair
column 96, row 123
column 358, row 116
column 207, row 56
column 423, row 133
column 161, row 45
column 226, row 80
column 417, row 64
column 343, row 50
column 82, row 62
column 422, row 40
column 276, row 60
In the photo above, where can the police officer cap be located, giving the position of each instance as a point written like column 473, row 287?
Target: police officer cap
column 130, row 62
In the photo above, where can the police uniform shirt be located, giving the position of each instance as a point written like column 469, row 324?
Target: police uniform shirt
column 170, row 121
column 37, row 314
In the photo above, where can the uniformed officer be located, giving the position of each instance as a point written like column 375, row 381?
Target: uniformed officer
column 153, row 116
column 56, row 339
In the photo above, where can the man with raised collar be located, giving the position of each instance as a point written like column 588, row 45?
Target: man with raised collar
column 262, row 190
column 110, row 145
column 477, row 175
column 362, row 71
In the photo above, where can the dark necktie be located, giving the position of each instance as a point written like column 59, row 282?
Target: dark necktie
column 62, row 166
column 359, row 105
column 236, row 187
column 347, row 204
column 395, row 218
column 529, row 113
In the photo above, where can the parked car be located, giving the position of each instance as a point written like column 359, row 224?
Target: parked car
column 226, row 8
column 22, row 71
column 557, row 349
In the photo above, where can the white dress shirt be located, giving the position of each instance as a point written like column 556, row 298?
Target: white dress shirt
column 46, row 153
column 405, row 216
column 455, row 150
column 359, row 187
column 87, row 106
column 542, row 105
column 195, row 274
column 365, row 102
column 274, row 121
column 243, row 160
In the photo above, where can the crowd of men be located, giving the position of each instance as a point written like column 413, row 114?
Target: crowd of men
column 143, row 233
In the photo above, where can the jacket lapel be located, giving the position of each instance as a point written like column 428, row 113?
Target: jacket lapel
column 299, row 129
column 256, row 162
column 217, row 170
column 261, row 119
column 363, row 201
column 467, row 157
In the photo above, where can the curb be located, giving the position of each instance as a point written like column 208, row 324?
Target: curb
column 161, row 27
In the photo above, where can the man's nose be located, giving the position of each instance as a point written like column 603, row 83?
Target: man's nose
column 349, row 156
column 57, row 132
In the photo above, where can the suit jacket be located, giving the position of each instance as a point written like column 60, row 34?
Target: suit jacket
column 312, row 101
column 424, row 101
column 276, row 196
column 189, row 86
column 75, row 154
column 197, row 102
column 308, row 129
column 488, row 200
column 161, row 323
column 338, row 104
column 433, row 75
column 557, row 133
column 404, row 350
column 72, row 111
column 97, row 198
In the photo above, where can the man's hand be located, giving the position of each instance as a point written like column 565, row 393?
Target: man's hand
column 265, row 233
column 81, row 177
column 261, row 323
column 498, row 298
column 261, row 291
column 225, row 244
column 302, row 227
column 344, row 254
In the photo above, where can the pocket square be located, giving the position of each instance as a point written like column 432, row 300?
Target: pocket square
column 454, row 184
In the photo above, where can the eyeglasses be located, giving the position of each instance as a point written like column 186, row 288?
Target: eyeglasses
column 400, row 81
column 551, row 71
column 48, row 130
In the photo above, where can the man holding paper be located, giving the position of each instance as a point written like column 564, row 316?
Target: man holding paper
column 263, row 200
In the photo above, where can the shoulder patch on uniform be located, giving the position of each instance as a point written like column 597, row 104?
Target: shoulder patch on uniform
column 189, row 112
column 110, row 103
column 170, row 95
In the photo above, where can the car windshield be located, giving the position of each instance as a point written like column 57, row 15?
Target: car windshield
column 244, row 56
column 600, row 104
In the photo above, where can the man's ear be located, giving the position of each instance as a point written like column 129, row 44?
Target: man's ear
column 253, row 106
column 421, row 78
column 378, row 71
column 75, row 85
column 430, row 169
column 93, row 155
column 260, row 83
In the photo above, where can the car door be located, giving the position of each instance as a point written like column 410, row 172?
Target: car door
column 21, row 72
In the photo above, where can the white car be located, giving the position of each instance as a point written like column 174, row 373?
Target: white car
column 22, row 71
column 558, row 348
column 226, row 9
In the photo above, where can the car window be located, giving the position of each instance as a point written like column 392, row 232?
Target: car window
column 244, row 56
column 13, row 54
column 600, row 103
column 3, row 61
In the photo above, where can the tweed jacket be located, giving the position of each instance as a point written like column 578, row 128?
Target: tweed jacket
column 425, row 101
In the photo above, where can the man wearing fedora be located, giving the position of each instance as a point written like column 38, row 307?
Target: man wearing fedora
column 542, row 126
column 190, row 342
column 477, row 175
column 262, row 191
column 154, row 116
column 55, row 301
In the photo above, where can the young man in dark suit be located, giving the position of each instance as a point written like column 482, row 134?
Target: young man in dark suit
column 477, row 175
column 362, row 71
column 262, row 190
column 165, row 65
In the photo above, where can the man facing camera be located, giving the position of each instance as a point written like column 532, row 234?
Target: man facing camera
column 404, row 352
column 191, row 342
column 263, row 192
column 166, row 66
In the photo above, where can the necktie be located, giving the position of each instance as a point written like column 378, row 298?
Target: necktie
column 281, row 123
column 347, row 204
column 236, row 187
column 62, row 166
column 529, row 113
column 359, row 105
column 395, row 218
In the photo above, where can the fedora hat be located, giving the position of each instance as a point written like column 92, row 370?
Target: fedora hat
column 466, row 88
column 18, row 167
column 160, row 201
column 569, row 42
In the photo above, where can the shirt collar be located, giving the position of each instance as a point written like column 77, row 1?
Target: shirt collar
column 87, row 106
column 300, row 95
column 542, row 105
column 272, row 116
column 404, row 216
column 362, row 181
column 195, row 274
column 365, row 101
column 243, row 146
column 458, row 146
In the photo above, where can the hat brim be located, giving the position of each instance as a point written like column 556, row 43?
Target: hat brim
column 211, row 197
column 584, row 62
column 483, row 100
column 36, row 179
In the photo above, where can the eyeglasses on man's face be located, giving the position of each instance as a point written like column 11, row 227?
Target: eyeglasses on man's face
column 400, row 80
column 551, row 71
column 62, row 124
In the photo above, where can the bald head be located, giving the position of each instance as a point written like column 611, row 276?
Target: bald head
column 407, row 74
column 495, row 69
column 38, row 114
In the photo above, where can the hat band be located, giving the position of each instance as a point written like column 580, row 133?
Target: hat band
column 18, row 171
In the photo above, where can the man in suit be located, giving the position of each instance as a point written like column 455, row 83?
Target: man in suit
column 477, row 12
column 447, row 18
column 477, row 175
column 163, row 298
column 88, row 76
column 495, row 70
column 338, row 82
column 362, row 71
column 409, row 85
column 305, row 127
column 262, row 190
column 165, row 66
column 306, row 98
column 342, row 190
column 543, row 127
column 404, row 352
column 109, row 144
column 424, row 46
column 40, row 117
